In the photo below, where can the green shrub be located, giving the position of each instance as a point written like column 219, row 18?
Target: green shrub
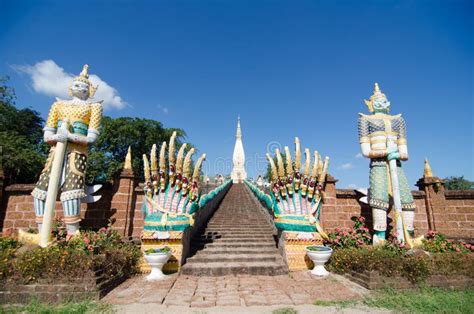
column 70, row 259
column 391, row 261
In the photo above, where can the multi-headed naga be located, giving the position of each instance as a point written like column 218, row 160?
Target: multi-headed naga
column 171, row 192
column 296, row 197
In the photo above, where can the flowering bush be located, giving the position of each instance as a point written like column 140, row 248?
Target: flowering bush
column 437, row 243
column 69, row 259
column 357, row 237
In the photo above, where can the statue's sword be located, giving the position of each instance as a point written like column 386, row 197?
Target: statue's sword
column 53, row 187
column 397, row 203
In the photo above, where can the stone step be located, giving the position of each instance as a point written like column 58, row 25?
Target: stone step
column 267, row 241
column 236, row 244
column 237, row 228
column 239, row 250
column 237, row 232
column 232, row 257
column 243, row 236
column 234, row 268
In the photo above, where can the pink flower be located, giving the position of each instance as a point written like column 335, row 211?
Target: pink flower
column 87, row 241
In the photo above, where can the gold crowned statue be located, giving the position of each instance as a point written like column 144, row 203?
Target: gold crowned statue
column 71, row 126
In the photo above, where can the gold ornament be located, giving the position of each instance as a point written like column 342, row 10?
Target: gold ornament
column 428, row 173
column 376, row 94
column 128, row 160
column 84, row 77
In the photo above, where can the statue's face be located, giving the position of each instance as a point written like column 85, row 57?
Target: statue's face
column 80, row 90
column 381, row 104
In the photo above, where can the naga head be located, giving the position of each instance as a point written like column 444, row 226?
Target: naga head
column 378, row 102
column 81, row 87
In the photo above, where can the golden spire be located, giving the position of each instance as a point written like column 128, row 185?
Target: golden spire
column 281, row 168
column 187, row 163
column 428, row 172
column 297, row 154
column 273, row 168
column 314, row 173
column 197, row 168
column 377, row 93
column 307, row 161
column 171, row 157
column 289, row 162
column 179, row 160
column 128, row 160
column 154, row 163
column 163, row 157
column 146, row 168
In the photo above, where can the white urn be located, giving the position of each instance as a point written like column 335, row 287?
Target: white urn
column 156, row 262
column 319, row 255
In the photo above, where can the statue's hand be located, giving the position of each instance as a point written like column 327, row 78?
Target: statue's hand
column 393, row 155
column 59, row 137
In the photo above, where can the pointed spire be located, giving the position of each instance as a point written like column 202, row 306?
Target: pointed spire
column 128, row 160
column 239, row 131
column 427, row 171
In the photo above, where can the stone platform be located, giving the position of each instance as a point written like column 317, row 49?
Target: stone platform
column 241, row 290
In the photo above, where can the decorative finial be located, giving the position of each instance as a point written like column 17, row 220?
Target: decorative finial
column 84, row 77
column 171, row 156
column 180, row 158
column 146, row 168
column 128, row 160
column 187, row 163
column 281, row 167
column 273, row 168
column 239, row 131
column 377, row 93
column 197, row 168
column 307, row 162
column 428, row 173
column 289, row 162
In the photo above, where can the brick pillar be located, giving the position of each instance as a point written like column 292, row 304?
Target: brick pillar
column 123, row 202
column 435, row 199
column 329, row 214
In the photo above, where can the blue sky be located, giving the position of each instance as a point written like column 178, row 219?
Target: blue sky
column 289, row 68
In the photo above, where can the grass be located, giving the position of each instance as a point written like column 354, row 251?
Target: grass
column 285, row 310
column 425, row 300
column 37, row 307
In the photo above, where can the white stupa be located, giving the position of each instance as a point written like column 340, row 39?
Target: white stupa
column 238, row 172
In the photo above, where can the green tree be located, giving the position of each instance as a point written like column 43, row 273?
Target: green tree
column 458, row 183
column 106, row 156
column 22, row 152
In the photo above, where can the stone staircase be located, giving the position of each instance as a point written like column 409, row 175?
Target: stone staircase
column 238, row 239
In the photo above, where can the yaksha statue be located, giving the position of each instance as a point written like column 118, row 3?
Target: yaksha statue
column 72, row 125
column 382, row 138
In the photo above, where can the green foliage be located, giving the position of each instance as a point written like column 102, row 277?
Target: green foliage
column 8, row 247
column 69, row 259
column 390, row 260
column 357, row 237
column 285, row 310
column 64, row 308
column 165, row 249
column 426, row 300
column 107, row 155
column 438, row 243
column 458, row 183
column 22, row 152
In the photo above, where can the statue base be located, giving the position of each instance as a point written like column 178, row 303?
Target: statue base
column 171, row 239
column 295, row 244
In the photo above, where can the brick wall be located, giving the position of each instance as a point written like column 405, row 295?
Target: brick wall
column 449, row 212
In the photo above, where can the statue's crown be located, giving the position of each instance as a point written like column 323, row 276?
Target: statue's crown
column 84, row 77
column 376, row 94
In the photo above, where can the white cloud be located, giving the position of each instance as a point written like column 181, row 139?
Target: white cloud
column 352, row 186
column 346, row 166
column 163, row 109
column 50, row 79
column 359, row 155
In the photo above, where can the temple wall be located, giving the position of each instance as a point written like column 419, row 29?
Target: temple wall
column 449, row 212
